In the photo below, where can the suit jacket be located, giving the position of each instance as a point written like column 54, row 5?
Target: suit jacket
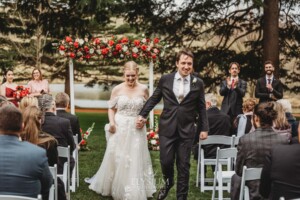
column 59, row 128
column 24, row 168
column 219, row 124
column 73, row 120
column 178, row 117
column 233, row 99
column 280, row 174
column 262, row 92
column 252, row 150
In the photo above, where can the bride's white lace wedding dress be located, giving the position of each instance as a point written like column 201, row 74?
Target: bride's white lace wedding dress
column 126, row 171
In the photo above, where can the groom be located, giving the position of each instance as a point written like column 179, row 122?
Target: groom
column 183, row 115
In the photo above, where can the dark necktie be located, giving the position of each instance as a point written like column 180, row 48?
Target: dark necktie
column 269, row 81
column 232, row 84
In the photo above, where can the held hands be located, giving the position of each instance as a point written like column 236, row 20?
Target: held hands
column 203, row 135
column 140, row 121
column 269, row 86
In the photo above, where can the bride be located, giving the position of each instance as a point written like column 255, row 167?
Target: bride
column 126, row 171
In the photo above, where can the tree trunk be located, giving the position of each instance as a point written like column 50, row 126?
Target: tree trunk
column 271, row 33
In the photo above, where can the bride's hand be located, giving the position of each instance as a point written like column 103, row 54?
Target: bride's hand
column 112, row 128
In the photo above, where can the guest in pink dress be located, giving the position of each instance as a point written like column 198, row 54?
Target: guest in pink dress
column 38, row 86
column 8, row 87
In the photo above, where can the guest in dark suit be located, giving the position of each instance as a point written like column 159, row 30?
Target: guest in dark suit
column 219, row 124
column 279, row 176
column 62, row 102
column 233, row 89
column 268, row 88
column 184, row 109
column 253, row 148
column 24, row 169
column 58, row 127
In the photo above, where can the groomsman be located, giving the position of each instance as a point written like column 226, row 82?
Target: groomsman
column 184, row 110
column 268, row 88
column 233, row 89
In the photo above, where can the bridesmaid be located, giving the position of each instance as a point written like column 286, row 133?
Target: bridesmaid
column 8, row 87
column 38, row 86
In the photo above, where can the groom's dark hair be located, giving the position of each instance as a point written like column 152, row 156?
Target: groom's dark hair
column 187, row 52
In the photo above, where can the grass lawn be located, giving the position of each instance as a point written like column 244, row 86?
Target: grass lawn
column 89, row 162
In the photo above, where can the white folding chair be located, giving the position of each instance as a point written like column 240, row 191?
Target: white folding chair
column 75, row 173
column 53, row 189
column 15, row 197
column 64, row 152
column 236, row 140
column 221, row 176
column 202, row 161
column 249, row 174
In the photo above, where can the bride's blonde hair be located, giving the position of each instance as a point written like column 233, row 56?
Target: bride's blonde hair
column 131, row 65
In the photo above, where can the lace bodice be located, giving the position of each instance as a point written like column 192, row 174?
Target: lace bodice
column 126, row 105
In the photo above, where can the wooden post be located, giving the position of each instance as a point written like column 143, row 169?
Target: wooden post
column 71, row 75
column 151, row 83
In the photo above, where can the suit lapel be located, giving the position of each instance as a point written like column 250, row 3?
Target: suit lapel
column 170, row 83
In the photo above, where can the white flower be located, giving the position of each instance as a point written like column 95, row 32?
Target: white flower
column 144, row 40
column 135, row 50
column 194, row 80
column 91, row 51
column 98, row 51
column 81, row 42
column 61, row 52
column 124, row 48
column 153, row 142
column 121, row 55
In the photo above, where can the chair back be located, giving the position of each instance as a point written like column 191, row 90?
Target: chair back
column 249, row 174
column 53, row 189
column 228, row 153
column 64, row 152
column 15, row 197
column 236, row 140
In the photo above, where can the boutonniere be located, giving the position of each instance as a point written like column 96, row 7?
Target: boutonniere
column 194, row 81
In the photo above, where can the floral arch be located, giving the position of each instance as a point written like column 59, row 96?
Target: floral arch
column 114, row 49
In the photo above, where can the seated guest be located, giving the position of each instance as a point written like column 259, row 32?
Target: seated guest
column 8, row 87
column 62, row 102
column 253, row 148
column 24, row 169
column 280, row 174
column 58, row 127
column 243, row 123
column 33, row 133
column 280, row 124
column 219, row 124
column 287, row 108
column 28, row 101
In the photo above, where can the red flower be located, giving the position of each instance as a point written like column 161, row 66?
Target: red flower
column 104, row 51
column 97, row 41
column 144, row 47
column 147, row 40
column 115, row 53
column 135, row 55
column 118, row 47
column 153, row 56
column 86, row 48
column 156, row 40
column 124, row 40
column 88, row 56
column 111, row 42
column 83, row 142
column 72, row 55
column 68, row 39
column 76, row 45
column 62, row 47
column 136, row 42
column 86, row 133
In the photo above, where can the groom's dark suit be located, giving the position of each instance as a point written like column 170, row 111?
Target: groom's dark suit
column 177, row 127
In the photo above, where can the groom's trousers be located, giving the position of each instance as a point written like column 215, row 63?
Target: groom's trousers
column 179, row 149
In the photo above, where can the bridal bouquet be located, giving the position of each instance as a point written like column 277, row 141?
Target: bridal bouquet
column 84, row 144
column 20, row 92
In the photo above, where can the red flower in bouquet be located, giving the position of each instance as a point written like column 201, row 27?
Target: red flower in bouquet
column 84, row 144
column 20, row 92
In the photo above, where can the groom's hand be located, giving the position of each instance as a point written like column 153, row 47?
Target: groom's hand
column 140, row 121
column 203, row 135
